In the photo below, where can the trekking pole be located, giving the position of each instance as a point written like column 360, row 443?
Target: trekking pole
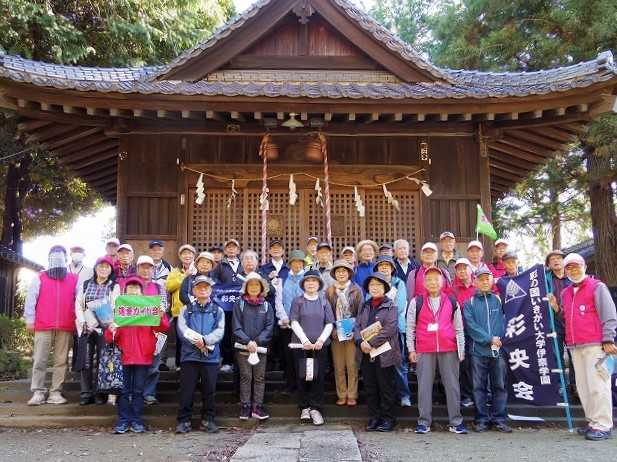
column 562, row 379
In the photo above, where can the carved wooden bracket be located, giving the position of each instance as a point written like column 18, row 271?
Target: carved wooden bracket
column 304, row 10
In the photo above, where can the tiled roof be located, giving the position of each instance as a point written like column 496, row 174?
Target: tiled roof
column 586, row 249
column 469, row 84
column 10, row 255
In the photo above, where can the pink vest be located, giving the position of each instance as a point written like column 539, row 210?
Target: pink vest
column 444, row 338
column 152, row 288
column 55, row 307
column 582, row 321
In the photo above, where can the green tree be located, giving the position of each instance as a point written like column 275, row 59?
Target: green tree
column 536, row 34
column 84, row 32
column 407, row 18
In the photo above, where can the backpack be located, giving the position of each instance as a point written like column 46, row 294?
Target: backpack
column 420, row 303
column 266, row 305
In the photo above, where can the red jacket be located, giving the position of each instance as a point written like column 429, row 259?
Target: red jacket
column 459, row 291
column 137, row 343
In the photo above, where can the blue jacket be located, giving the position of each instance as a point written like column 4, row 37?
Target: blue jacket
column 401, row 272
column 484, row 319
column 291, row 289
column 208, row 321
column 265, row 270
column 363, row 270
column 401, row 303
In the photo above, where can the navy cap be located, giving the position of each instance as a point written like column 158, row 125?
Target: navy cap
column 156, row 242
column 276, row 240
column 324, row 245
column 484, row 270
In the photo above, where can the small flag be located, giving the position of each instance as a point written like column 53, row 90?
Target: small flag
column 483, row 226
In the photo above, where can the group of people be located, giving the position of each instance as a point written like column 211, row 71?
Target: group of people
column 374, row 311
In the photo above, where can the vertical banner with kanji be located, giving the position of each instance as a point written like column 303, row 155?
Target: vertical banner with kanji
column 530, row 353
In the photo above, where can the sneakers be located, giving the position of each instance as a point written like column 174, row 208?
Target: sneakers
column 422, row 429
column 260, row 413
column 137, row 427
column 406, row 402
column 183, row 427
column 316, row 417
column 583, row 430
column 597, row 435
column 121, row 428
column 480, row 427
column 37, row 399
column 55, row 397
column 100, row 399
column 163, row 367
column 351, row 402
column 245, row 412
column 341, row 401
column 386, row 426
column 459, row 429
column 373, row 425
column 502, row 427
column 111, row 399
column 305, row 415
column 467, row 402
column 86, row 400
column 150, row 400
column 208, row 425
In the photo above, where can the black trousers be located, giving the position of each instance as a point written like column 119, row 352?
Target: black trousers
column 227, row 349
column 465, row 372
column 311, row 394
column 380, row 389
column 192, row 372
column 92, row 344
column 289, row 364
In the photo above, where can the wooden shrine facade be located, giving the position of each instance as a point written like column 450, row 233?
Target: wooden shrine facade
column 140, row 135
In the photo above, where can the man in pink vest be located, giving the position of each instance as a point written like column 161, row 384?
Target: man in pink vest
column 591, row 321
column 49, row 312
column 435, row 338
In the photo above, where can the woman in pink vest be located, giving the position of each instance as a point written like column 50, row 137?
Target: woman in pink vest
column 591, row 321
column 49, row 312
column 435, row 337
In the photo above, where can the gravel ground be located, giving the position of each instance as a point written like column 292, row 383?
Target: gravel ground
column 18, row 445
column 523, row 445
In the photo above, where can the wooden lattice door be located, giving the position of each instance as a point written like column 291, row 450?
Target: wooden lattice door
column 213, row 222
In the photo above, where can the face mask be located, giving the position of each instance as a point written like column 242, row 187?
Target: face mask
column 57, row 260
column 578, row 280
column 77, row 257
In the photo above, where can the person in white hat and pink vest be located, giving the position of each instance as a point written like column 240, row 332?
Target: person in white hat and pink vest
column 591, row 322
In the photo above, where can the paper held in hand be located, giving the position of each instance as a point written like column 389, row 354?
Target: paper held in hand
column 373, row 331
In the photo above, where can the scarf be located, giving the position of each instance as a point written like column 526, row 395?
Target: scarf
column 342, row 301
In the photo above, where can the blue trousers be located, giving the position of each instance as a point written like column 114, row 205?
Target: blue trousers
column 485, row 368
column 131, row 401
column 402, row 371
column 152, row 377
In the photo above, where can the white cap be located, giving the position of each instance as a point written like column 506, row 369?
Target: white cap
column 348, row 249
column 429, row 245
column 446, row 234
column 501, row 241
column 206, row 255
column 477, row 244
column 573, row 258
column 462, row 261
column 145, row 260
column 126, row 247
column 113, row 240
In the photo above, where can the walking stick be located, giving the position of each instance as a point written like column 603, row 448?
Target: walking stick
column 562, row 379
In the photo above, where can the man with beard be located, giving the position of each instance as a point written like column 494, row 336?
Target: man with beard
column 49, row 312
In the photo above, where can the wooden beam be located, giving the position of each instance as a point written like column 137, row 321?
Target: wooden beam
column 211, row 115
column 59, row 117
column 81, row 144
column 45, row 134
column 100, row 174
column 372, row 117
column 443, row 117
column 518, row 153
column 526, row 135
column 498, row 173
column 420, row 117
column 554, row 133
column 86, row 161
column 106, row 165
column 327, row 116
column 257, row 115
column 32, row 125
column 79, row 134
column 351, row 116
column 280, row 116
column 84, row 153
column 526, row 146
column 237, row 116
column 302, row 62
column 512, row 161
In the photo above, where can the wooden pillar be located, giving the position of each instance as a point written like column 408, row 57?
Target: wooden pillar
column 121, row 190
column 485, row 188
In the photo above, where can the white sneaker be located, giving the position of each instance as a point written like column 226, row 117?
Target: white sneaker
column 306, row 414
column 37, row 399
column 55, row 397
column 227, row 368
column 111, row 399
column 316, row 417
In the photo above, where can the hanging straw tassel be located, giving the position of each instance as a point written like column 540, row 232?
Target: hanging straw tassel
column 358, row 202
column 264, row 204
column 234, row 193
column 319, row 198
column 326, row 172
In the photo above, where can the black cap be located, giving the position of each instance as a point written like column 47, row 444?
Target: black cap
column 386, row 245
column 156, row 242
column 216, row 248
column 324, row 245
column 276, row 240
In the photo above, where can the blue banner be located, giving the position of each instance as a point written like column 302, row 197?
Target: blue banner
column 530, row 353
column 225, row 295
